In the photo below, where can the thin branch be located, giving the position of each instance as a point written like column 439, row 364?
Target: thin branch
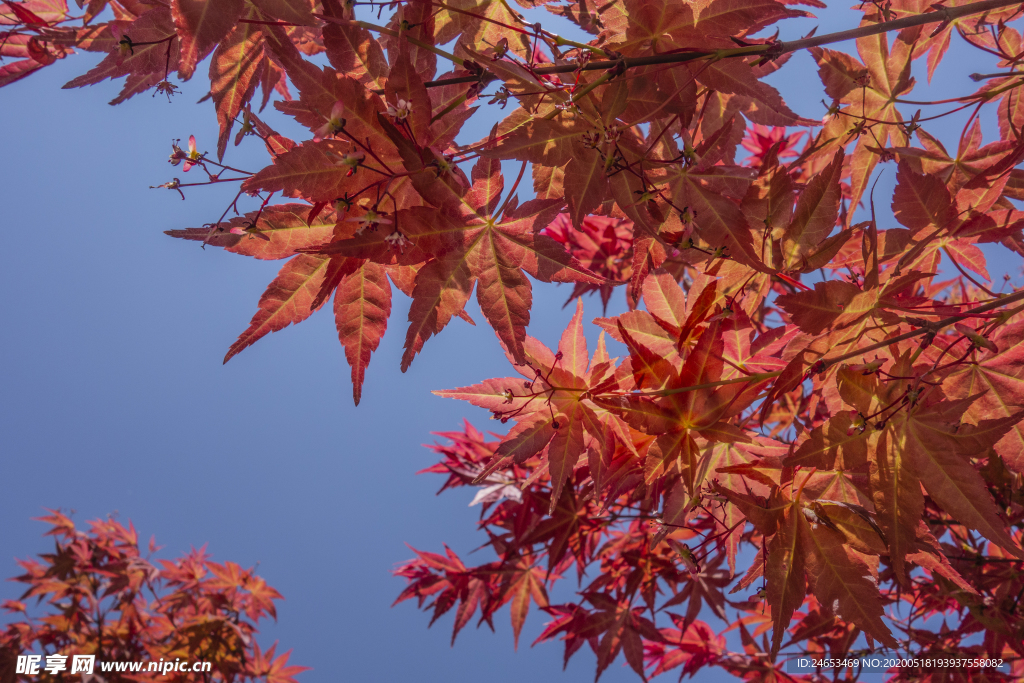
column 770, row 50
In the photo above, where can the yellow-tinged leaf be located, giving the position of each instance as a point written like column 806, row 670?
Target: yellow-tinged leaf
column 940, row 457
column 842, row 580
column 362, row 305
column 235, row 70
column 787, row 586
column 286, row 300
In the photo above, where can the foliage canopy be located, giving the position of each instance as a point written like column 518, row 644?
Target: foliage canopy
column 806, row 404
column 106, row 598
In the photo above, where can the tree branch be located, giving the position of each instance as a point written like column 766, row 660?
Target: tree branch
column 770, row 50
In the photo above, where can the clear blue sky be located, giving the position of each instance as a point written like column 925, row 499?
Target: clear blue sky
column 114, row 398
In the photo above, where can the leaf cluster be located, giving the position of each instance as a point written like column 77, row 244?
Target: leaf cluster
column 104, row 597
column 806, row 401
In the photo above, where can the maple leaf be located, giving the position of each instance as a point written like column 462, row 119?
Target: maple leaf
column 619, row 626
column 147, row 64
column 475, row 245
column 887, row 396
column 520, row 585
column 866, row 94
column 995, row 382
column 841, row 577
column 552, row 414
column 235, row 70
column 415, row 20
column 693, row 400
column 32, row 53
column 198, row 608
column 785, row 575
column 975, row 177
column 935, row 43
column 919, row 200
column 275, row 669
column 292, row 11
column 200, row 25
column 760, row 140
column 938, row 456
column 713, row 191
column 352, row 50
column 286, row 301
column 362, row 304
column 814, row 216
column 585, row 151
column 478, row 23
column 691, row 646
column 602, row 246
column 285, row 227
column 448, row 578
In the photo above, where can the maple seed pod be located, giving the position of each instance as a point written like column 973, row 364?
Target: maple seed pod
column 500, row 97
column 191, row 158
column 811, row 516
column 500, row 49
column 591, row 140
column 247, row 126
column 335, row 122
column 689, row 154
column 688, row 558
column 618, row 69
column 832, row 112
column 978, row 340
column 125, row 47
column 714, row 497
column 687, row 216
column 174, row 184
column 401, row 110
column 341, row 206
column 167, row 88
column 397, row 241
column 857, row 423
column 249, row 228
column 443, row 164
column 868, row 368
column 371, row 219
column 612, row 134
column 177, row 154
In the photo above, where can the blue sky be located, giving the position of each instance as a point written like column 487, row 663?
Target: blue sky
column 114, row 398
